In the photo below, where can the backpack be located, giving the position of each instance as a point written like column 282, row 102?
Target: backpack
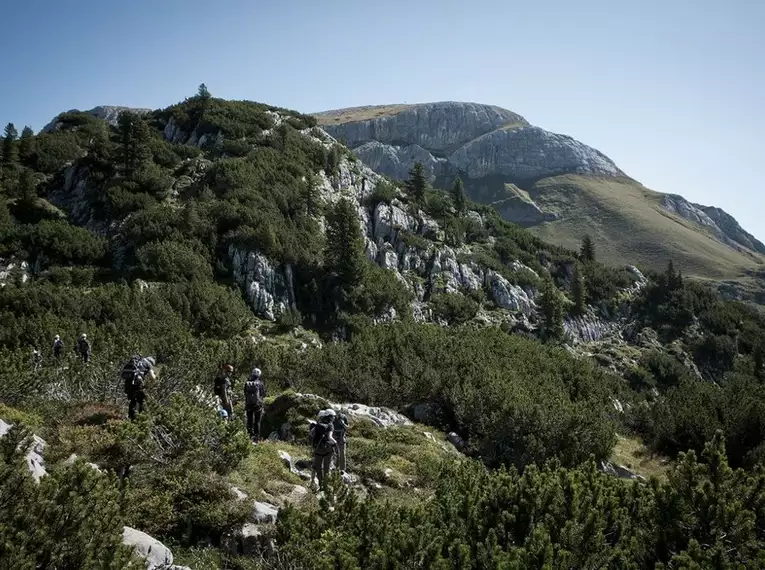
column 253, row 394
column 132, row 373
column 340, row 425
column 321, row 441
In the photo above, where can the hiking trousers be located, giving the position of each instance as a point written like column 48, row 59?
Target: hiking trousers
column 321, row 464
column 136, row 403
column 254, row 418
column 340, row 448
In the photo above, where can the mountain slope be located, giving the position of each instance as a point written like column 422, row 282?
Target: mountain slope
column 568, row 188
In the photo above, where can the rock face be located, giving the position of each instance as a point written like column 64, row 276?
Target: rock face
column 721, row 224
column 474, row 139
column 731, row 228
column 424, row 266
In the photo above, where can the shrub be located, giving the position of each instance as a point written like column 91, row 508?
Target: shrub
column 454, row 308
column 172, row 261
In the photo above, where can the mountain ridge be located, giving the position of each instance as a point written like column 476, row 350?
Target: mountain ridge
column 511, row 151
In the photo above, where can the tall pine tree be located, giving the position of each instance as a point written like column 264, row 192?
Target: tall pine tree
column 759, row 357
column 458, row 195
column 552, row 311
column 27, row 145
column 587, row 249
column 344, row 254
column 417, row 183
column 134, row 139
column 9, row 145
column 578, row 291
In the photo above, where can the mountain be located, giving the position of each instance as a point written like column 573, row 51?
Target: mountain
column 457, row 343
column 553, row 184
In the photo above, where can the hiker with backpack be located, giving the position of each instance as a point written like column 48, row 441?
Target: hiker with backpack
column 134, row 374
column 224, row 389
column 58, row 347
column 254, row 395
column 340, row 434
column 323, row 444
column 83, row 348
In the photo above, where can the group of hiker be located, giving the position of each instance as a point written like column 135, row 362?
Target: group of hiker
column 81, row 349
column 328, row 435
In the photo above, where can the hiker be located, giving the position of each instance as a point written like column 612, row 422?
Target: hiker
column 36, row 359
column 58, row 347
column 340, row 434
column 83, row 348
column 224, row 389
column 134, row 373
column 254, row 394
column 323, row 444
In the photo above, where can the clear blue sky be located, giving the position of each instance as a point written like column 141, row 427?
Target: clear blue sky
column 672, row 90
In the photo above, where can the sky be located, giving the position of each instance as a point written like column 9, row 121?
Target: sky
column 672, row 90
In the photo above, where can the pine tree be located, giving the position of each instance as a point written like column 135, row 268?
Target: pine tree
column 134, row 138
column 458, row 195
column 27, row 187
column 344, row 253
column 9, row 145
column 759, row 361
column 578, row 291
column 312, row 196
column 203, row 94
column 417, row 183
column 587, row 249
column 27, row 145
column 552, row 310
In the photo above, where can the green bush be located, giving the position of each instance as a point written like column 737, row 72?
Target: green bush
column 172, row 261
column 454, row 308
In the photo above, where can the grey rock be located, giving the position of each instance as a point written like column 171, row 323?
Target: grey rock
column 397, row 161
column 34, row 458
column 73, row 458
column 529, row 152
column 731, row 228
column 10, row 267
column 269, row 290
column 619, row 471
column 239, row 495
column 263, row 513
column 587, row 328
column 286, row 459
column 156, row 555
column 441, row 126
column 382, row 417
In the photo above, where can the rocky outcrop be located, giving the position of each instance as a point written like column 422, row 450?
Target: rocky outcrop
column 472, row 139
column 589, row 328
column 10, row 268
column 439, row 127
column 731, row 228
column 269, row 288
column 721, row 224
column 529, row 152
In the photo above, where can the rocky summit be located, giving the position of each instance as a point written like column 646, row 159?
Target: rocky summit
column 557, row 186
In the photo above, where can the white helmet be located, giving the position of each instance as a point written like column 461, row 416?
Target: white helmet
column 328, row 412
column 83, row 336
column 56, row 337
column 256, row 373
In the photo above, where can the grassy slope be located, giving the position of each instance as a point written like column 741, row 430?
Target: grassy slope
column 628, row 225
column 354, row 114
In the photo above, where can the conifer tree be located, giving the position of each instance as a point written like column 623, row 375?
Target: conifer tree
column 417, row 183
column 552, row 310
column 759, row 361
column 312, row 196
column 27, row 187
column 344, row 253
column 458, row 195
column 578, row 291
column 9, row 144
column 134, row 138
column 27, row 145
column 587, row 249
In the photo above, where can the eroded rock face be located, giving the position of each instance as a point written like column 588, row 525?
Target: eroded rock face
column 476, row 140
column 732, row 229
column 269, row 289
column 109, row 113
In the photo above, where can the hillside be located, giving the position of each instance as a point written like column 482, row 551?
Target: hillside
column 570, row 189
column 508, row 397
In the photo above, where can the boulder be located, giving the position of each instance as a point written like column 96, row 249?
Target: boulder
column 156, row 555
column 239, row 495
column 264, row 513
